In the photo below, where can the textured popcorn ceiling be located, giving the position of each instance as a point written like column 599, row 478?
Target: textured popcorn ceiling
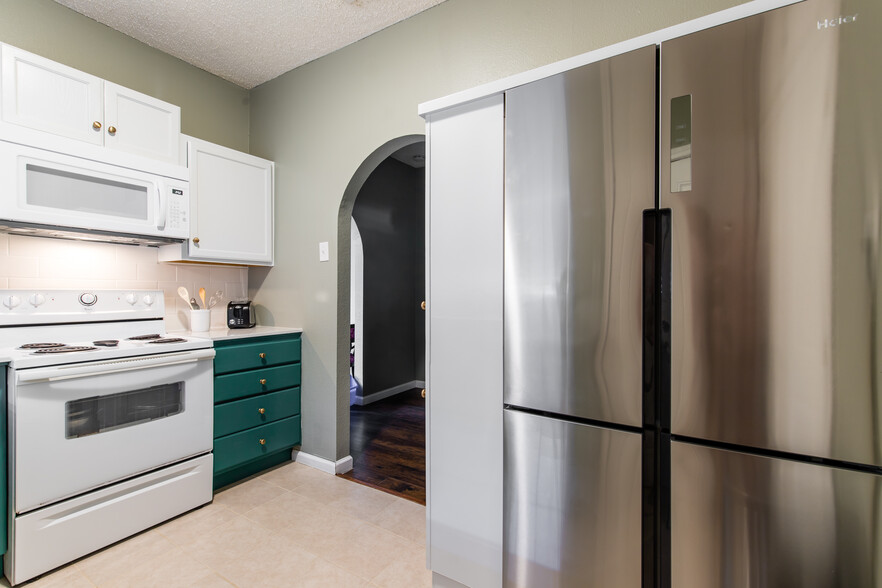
column 248, row 41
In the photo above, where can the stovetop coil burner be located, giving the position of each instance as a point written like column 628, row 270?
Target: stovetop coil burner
column 42, row 345
column 65, row 349
column 168, row 340
column 145, row 337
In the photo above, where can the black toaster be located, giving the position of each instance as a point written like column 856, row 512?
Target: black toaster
column 240, row 314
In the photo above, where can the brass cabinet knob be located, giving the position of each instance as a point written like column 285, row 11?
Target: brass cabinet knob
column 96, row 125
column 111, row 129
column 423, row 393
column 423, row 305
column 262, row 441
column 263, row 356
column 196, row 240
column 262, row 381
column 261, row 410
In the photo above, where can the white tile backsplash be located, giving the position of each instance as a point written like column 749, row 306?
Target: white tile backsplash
column 19, row 267
column 35, row 262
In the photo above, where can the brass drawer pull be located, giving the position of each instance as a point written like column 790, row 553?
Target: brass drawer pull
column 263, row 381
column 96, row 125
column 261, row 410
column 111, row 129
column 262, row 441
column 263, row 356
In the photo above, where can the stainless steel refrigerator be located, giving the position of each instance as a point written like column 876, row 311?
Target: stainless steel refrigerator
column 692, row 338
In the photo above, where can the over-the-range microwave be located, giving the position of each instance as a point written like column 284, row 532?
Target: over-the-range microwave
column 60, row 195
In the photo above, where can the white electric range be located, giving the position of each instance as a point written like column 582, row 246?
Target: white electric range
column 110, row 421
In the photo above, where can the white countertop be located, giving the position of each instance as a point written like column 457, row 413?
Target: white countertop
column 226, row 334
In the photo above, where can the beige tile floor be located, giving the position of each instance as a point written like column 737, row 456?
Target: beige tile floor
column 291, row 526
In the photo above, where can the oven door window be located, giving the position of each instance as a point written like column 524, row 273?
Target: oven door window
column 99, row 414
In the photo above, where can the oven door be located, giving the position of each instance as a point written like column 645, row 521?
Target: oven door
column 81, row 426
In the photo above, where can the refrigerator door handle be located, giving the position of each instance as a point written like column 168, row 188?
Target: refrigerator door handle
column 656, row 449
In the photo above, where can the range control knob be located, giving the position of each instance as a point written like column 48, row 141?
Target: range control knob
column 11, row 301
column 36, row 299
column 88, row 299
column 148, row 299
column 131, row 298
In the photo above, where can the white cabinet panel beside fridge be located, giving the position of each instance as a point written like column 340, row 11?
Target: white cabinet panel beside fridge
column 464, row 303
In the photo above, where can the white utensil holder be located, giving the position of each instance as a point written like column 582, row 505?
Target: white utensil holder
column 200, row 320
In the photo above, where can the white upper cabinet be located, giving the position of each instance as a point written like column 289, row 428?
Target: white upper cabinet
column 231, row 207
column 46, row 96
column 141, row 124
column 50, row 97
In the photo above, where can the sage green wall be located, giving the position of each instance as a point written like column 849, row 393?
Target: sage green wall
column 211, row 108
column 320, row 121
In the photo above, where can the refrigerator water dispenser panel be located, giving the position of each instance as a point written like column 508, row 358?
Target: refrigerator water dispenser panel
column 681, row 143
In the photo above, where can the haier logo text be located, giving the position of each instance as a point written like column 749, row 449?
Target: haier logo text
column 829, row 23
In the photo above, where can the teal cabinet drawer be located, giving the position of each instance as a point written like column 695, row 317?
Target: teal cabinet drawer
column 260, row 354
column 241, row 385
column 232, row 417
column 239, row 448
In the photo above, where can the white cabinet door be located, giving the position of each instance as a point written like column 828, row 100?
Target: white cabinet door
column 47, row 96
column 41, row 95
column 231, row 205
column 464, row 368
column 141, row 124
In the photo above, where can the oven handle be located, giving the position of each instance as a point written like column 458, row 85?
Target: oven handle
column 68, row 372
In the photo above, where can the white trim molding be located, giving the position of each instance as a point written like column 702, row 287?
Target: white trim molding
column 654, row 38
column 362, row 400
column 341, row 466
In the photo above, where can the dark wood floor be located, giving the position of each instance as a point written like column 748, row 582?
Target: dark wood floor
column 388, row 445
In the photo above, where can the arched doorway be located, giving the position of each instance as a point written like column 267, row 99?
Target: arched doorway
column 385, row 198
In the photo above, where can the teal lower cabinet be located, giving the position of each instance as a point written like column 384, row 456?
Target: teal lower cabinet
column 256, row 404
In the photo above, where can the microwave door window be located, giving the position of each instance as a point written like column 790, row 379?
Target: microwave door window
column 68, row 191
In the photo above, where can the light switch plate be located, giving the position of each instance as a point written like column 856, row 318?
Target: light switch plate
column 324, row 255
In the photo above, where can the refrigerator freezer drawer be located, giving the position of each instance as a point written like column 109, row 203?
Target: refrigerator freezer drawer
column 753, row 521
column 572, row 500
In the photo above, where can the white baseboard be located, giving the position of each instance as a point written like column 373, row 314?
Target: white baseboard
column 362, row 400
column 439, row 581
column 341, row 466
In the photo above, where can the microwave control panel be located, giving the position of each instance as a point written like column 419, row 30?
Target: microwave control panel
column 178, row 209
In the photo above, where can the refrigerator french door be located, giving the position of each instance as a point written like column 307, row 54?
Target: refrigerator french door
column 771, row 166
column 579, row 172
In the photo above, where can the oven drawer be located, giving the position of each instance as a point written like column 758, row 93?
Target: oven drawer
column 239, row 415
column 52, row 536
column 241, row 385
column 239, row 448
column 250, row 356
